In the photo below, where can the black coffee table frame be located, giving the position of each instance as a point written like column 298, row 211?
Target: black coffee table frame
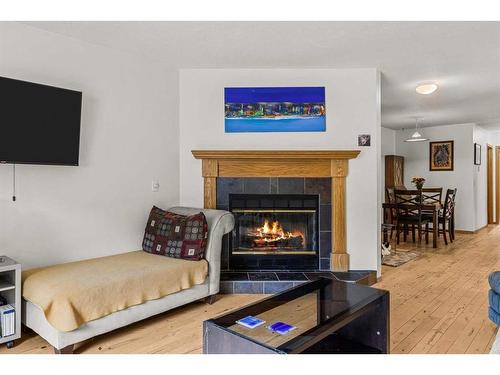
column 351, row 318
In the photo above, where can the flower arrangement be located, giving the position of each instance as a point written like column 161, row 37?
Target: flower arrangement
column 418, row 182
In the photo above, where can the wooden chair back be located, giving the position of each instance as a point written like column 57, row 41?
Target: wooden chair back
column 449, row 203
column 390, row 198
column 432, row 195
column 389, row 195
column 408, row 204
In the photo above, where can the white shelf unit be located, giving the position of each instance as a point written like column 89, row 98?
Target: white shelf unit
column 10, row 289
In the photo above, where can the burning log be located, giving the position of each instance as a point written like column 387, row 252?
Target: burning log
column 273, row 235
column 290, row 242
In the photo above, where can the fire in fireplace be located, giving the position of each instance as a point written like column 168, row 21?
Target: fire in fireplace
column 268, row 231
column 274, row 231
column 271, row 235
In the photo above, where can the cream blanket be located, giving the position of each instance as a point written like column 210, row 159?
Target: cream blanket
column 72, row 294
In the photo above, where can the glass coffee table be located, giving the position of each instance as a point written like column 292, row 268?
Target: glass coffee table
column 330, row 317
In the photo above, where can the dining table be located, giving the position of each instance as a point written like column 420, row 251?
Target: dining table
column 433, row 207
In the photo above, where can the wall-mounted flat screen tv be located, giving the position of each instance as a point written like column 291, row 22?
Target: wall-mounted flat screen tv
column 39, row 124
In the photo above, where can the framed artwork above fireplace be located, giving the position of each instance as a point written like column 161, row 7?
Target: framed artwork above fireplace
column 274, row 109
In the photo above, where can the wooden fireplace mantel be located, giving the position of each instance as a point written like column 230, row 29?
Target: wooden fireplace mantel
column 285, row 163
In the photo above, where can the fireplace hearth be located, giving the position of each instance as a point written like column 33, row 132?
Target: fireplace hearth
column 274, row 232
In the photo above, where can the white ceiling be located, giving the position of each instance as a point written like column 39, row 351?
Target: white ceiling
column 462, row 57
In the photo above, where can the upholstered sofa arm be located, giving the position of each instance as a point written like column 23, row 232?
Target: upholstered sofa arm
column 219, row 223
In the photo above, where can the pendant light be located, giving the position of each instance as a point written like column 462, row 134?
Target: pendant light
column 416, row 137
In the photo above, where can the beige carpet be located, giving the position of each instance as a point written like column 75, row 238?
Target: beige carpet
column 396, row 259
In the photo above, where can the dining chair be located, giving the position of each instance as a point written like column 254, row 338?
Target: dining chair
column 389, row 194
column 409, row 213
column 432, row 195
column 452, row 232
column 446, row 216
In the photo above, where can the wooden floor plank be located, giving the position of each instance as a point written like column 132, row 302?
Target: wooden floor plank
column 443, row 324
column 469, row 332
column 415, row 341
column 422, row 313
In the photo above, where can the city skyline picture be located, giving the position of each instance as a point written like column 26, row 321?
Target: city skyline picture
column 274, row 109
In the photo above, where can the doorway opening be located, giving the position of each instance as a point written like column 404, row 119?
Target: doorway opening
column 497, row 184
column 489, row 155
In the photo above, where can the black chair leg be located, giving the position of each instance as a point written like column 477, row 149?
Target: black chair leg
column 413, row 232
column 453, row 224
column 426, row 233
column 444, row 232
column 452, row 228
column 450, row 231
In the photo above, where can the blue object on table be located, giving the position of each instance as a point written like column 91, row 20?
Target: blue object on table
column 250, row 322
column 281, row 328
column 494, row 280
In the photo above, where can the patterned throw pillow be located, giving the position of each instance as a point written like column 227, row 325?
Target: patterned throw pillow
column 175, row 235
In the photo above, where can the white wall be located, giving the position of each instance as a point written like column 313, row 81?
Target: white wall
column 494, row 138
column 129, row 136
column 480, row 178
column 353, row 107
column 417, row 164
column 388, row 147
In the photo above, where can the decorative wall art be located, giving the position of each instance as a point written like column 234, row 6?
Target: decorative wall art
column 477, row 154
column 274, row 109
column 364, row 140
column 441, row 156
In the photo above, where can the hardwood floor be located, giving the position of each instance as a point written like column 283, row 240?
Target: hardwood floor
column 438, row 305
column 439, row 302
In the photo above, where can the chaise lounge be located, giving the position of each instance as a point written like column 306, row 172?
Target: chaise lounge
column 120, row 289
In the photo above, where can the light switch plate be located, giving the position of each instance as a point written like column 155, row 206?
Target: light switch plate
column 155, row 186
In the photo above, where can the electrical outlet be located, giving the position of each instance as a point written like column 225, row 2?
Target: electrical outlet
column 155, row 186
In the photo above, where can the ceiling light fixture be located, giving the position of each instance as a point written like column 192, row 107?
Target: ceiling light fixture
column 416, row 137
column 426, row 88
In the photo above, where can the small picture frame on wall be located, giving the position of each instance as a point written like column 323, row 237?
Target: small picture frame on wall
column 441, row 155
column 477, row 154
column 364, row 140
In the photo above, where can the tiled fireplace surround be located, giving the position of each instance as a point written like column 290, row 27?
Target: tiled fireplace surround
column 321, row 172
column 281, row 185
column 234, row 281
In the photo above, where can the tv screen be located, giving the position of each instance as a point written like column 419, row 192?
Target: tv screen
column 39, row 124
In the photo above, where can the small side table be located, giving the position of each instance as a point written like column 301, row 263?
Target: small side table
column 10, row 289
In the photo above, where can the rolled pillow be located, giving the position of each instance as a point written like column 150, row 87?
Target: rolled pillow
column 494, row 299
column 494, row 316
column 494, row 280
